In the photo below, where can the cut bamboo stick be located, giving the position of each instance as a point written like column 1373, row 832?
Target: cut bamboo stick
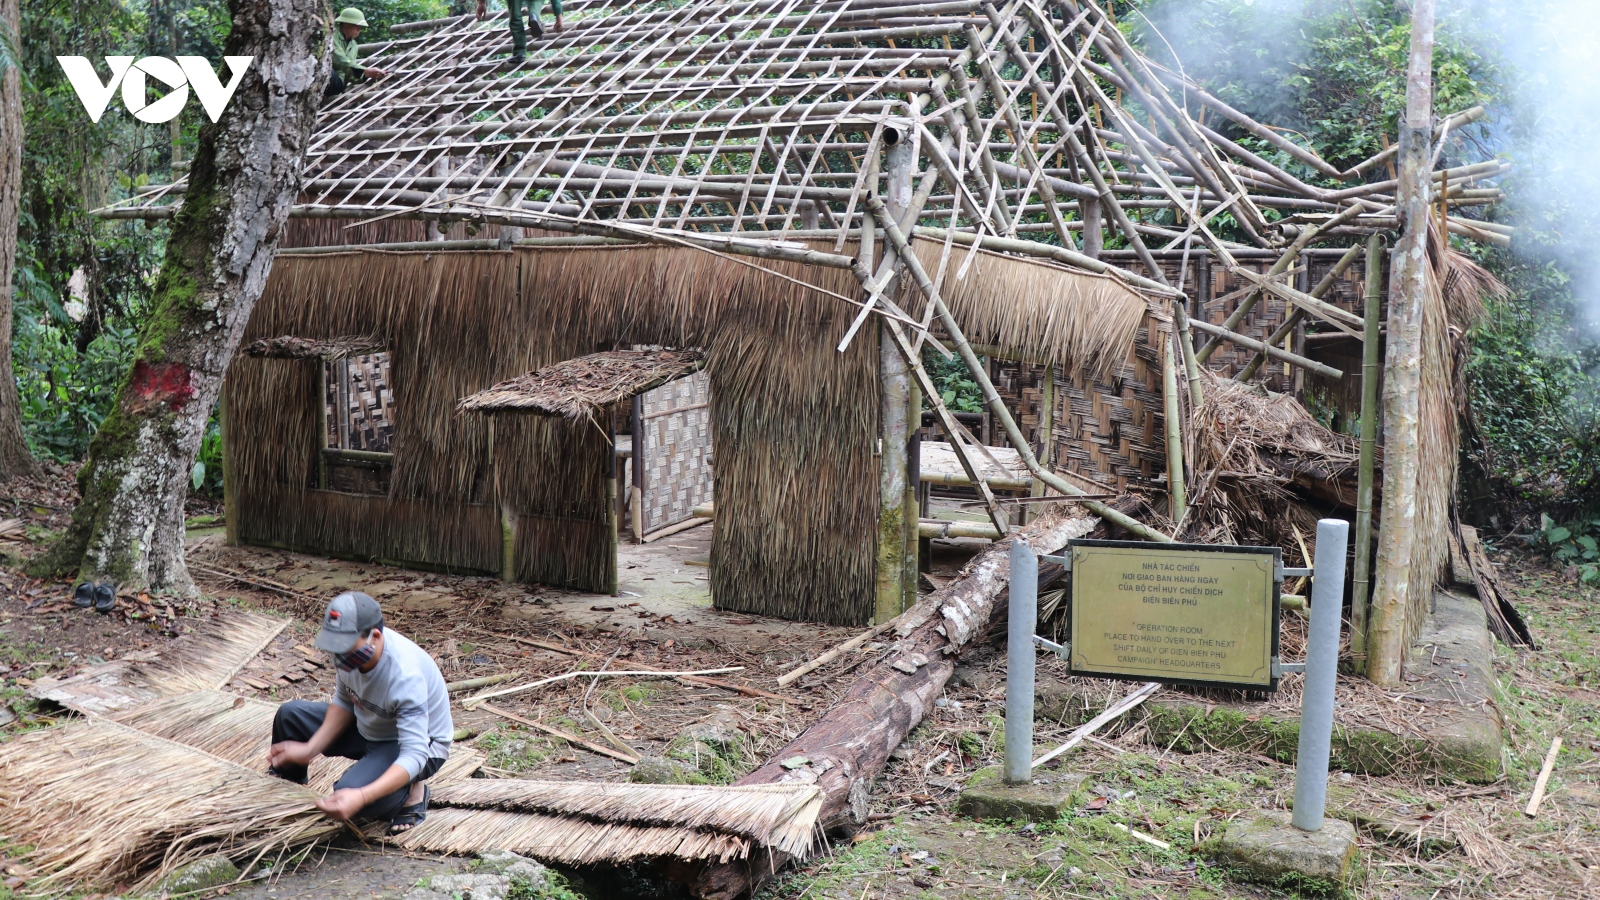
column 1544, row 778
column 565, row 736
column 859, row 640
column 1111, row 714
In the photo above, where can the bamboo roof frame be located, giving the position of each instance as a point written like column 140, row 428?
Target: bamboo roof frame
column 757, row 118
column 732, row 126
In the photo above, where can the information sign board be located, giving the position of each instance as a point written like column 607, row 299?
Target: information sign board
column 1191, row 613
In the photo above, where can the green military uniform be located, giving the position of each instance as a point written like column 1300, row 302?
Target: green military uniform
column 519, row 36
column 347, row 59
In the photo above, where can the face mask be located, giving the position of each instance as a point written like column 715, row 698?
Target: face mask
column 355, row 659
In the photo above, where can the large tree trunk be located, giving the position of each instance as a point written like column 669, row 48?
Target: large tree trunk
column 847, row 748
column 128, row 526
column 14, row 456
column 1402, row 377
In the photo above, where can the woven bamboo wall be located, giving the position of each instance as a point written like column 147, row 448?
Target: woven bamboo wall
column 673, row 450
column 1110, row 428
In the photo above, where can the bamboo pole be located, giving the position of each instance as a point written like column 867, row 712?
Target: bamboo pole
column 1278, row 353
column 1402, row 378
column 1177, row 501
column 1231, row 323
column 1299, row 314
column 997, row 407
column 894, row 415
column 1361, row 592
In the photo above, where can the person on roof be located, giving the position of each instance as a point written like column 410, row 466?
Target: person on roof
column 519, row 39
column 347, row 67
column 390, row 713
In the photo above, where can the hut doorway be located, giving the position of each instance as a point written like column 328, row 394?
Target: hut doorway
column 668, row 464
column 561, row 453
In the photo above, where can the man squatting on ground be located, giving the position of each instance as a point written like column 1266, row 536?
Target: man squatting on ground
column 347, row 67
column 514, row 8
column 390, row 713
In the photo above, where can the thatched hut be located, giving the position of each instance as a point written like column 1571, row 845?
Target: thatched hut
column 811, row 196
column 533, row 497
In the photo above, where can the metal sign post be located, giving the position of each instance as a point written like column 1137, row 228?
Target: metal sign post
column 1322, row 669
column 1021, row 622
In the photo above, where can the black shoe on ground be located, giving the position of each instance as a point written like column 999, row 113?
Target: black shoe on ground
column 105, row 597
column 536, row 28
column 83, row 595
column 518, row 59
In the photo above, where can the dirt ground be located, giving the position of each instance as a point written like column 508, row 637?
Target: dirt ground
column 1459, row 841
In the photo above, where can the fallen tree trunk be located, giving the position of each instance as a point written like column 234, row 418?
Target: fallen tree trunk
column 844, row 751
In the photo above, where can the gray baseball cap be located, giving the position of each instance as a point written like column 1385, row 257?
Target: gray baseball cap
column 349, row 617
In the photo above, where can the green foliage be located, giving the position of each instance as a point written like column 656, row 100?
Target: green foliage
column 1330, row 73
column 956, row 385
column 555, row 887
column 1575, row 544
column 1534, row 381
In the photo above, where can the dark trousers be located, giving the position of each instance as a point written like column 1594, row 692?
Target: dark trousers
column 298, row 720
column 335, row 87
column 514, row 9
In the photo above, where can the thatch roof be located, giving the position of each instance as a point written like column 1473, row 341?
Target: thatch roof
column 576, row 388
column 291, row 347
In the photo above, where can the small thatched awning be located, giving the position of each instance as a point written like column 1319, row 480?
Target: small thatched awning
column 575, row 388
column 291, row 347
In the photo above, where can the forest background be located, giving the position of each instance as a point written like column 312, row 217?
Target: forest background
column 1330, row 71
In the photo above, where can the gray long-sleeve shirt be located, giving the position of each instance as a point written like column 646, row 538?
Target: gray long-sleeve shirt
column 402, row 699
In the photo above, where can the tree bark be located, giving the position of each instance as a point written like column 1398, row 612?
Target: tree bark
column 14, row 456
column 128, row 525
column 847, row 748
column 1402, row 377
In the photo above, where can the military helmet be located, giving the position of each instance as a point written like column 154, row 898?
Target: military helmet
column 351, row 16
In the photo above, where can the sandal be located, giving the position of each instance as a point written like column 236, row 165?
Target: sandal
column 105, row 597
column 411, row 816
column 83, row 595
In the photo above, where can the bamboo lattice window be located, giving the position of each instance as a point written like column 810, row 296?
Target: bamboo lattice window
column 358, row 402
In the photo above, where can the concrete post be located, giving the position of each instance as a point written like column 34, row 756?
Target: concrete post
column 1022, row 618
column 1322, row 669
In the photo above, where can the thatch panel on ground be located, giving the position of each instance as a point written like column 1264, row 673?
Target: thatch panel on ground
column 208, row 658
column 100, row 804
column 781, row 816
column 576, row 388
column 239, row 730
column 569, row 841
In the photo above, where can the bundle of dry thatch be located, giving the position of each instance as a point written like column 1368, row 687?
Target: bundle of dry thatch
column 576, row 388
column 239, row 729
column 1258, row 462
column 779, row 816
column 102, row 804
column 208, row 658
column 291, row 347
